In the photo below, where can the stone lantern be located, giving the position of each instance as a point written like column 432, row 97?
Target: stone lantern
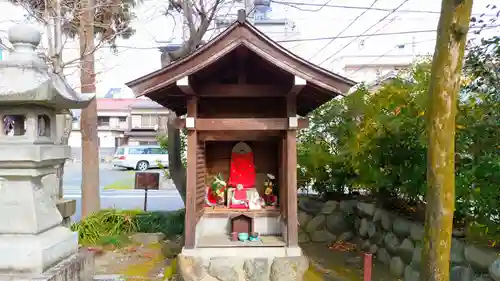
column 32, row 240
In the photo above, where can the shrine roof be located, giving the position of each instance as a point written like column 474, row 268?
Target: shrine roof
column 322, row 85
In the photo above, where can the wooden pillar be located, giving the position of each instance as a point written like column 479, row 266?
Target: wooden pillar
column 291, row 178
column 192, row 141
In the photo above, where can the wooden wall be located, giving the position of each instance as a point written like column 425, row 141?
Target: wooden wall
column 240, row 107
column 266, row 153
column 200, row 178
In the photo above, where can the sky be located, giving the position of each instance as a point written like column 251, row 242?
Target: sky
column 139, row 55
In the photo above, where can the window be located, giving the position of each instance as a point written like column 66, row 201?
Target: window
column 103, row 121
column 120, row 151
column 136, row 151
column 157, row 150
column 149, row 120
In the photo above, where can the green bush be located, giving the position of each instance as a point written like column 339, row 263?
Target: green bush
column 108, row 226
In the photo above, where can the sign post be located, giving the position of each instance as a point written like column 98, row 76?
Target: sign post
column 147, row 181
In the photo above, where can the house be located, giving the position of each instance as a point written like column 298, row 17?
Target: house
column 122, row 122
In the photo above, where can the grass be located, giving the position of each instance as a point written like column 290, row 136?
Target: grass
column 123, row 184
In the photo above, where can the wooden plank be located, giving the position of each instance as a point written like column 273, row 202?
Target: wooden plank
column 236, row 124
column 191, row 171
column 237, row 135
column 291, row 179
column 240, row 90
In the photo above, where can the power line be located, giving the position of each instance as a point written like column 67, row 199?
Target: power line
column 298, row 4
column 343, row 30
column 373, row 34
column 379, row 21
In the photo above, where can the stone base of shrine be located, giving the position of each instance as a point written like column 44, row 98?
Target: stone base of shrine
column 241, row 264
column 34, row 254
column 76, row 267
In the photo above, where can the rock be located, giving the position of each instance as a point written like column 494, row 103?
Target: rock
column 391, row 242
column 190, row 268
column 386, row 221
column 335, row 223
column 346, row 236
column 479, row 259
column 365, row 245
column 397, row 266
column 289, row 268
column 373, row 249
column 401, row 227
column 378, row 238
column 416, row 259
column 461, row 273
column 494, row 270
column 405, row 250
column 147, row 238
column 318, row 222
column 372, row 229
column 377, row 216
column 256, row 269
column 321, row 236
column 383, row 256
column 363, row 228
column 357, row 223
column 303, row 237
column 329, row 207
column 457, row 251
column 483, row 278
column 410, row 274
column 366, row 209
column 417, row 232
column 223, row 269
column 303, row 218
column 347, row 206
column 310, row 205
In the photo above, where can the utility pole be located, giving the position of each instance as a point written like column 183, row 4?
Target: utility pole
column 442, row 108
column 88, row 119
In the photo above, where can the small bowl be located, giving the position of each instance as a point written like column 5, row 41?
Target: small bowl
column 243, row 236
column 254, row 234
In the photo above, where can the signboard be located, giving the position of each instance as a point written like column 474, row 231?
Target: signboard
column 147, row 181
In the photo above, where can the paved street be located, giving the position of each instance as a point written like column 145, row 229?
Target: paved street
column 165, row 199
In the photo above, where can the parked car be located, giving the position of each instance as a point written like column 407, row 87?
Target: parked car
column 140, row 157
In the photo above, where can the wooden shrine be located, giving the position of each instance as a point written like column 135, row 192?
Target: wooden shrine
column 242, row 99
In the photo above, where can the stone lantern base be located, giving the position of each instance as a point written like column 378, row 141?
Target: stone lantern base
column 77, row 267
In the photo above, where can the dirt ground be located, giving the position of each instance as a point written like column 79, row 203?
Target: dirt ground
column 146, row 258
column 335, row 265
column 149, row 257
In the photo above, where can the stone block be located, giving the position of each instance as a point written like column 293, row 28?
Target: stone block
column 401, row 227
column 224, row 269
column 494, row 270
column 147, row 238
column 36, row 253
column 329, row 207
column 190, row 268
column 322, row 236
column 461, row 273
column 318, row 222
column 480, row 259
column 397, row 266
column 289, row 268
column 410, row 274
column 417, row 232
column 366, row 209
column 66, row 208
column 391, row 242
column 405, row 250
column 303, row 218
column 256, row 269
column 77, row 267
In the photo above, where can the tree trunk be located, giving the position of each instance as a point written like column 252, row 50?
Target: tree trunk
column 444, row 86
column 176, row 167
column 88, row 120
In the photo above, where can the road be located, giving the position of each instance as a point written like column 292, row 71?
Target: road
column 166, row 199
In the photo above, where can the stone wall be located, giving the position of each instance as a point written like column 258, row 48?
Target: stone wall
column 395, row 241
column 242, row 269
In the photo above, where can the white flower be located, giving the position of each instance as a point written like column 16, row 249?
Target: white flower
column 271, row 176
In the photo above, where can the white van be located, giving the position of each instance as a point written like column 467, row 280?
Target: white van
column 140, row 157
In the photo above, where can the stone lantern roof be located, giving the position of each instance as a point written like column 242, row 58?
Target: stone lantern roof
column 26, row 79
